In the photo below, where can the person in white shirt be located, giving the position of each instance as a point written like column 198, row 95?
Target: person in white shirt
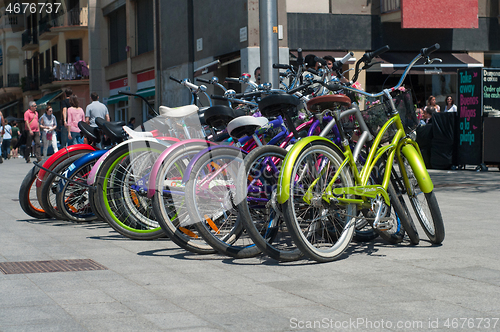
column 450, row 105
column 48, row 124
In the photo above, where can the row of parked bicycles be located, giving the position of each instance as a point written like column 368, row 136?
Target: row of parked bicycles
column 292, row 172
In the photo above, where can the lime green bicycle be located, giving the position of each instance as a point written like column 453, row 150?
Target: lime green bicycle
column 323, row 187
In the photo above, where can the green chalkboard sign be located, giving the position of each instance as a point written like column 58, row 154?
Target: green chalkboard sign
column 469, row 126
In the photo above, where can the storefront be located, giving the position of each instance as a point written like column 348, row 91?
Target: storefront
column 117, row 103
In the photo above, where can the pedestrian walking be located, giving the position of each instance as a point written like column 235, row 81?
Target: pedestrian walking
column 131, row 123
column 2, row 123
column 16, row 133
column 95, row 109
column 48, row 124
column 33, row 132
column 64, row 106
column 7, row 136
column 75, row 115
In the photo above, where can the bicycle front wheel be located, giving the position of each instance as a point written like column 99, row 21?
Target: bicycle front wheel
column 320, row 229
column 426, row 208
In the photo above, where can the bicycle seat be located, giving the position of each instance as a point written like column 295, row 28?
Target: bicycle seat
column 196, row 119
column 219, row 116
column 92, row 133
column 178, row 112
column 277, row 104
column 328, row 102
column 114, row 130
column 136, row 134
column 245, row 126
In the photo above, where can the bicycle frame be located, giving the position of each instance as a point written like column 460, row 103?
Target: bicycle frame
column 399, row 144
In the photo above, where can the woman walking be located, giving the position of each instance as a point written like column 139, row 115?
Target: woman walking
column 48, row 124
column 75, row 115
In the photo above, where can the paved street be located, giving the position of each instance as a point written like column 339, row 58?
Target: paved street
column 154, row 286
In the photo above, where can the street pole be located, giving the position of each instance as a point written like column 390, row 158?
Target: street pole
column 268, row 26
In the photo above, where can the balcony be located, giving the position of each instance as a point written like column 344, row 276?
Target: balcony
column 74, row 19
column 30, row 83
column 13, row 80
column 63, row 74
column 14, row 22
column 29, row 40
column 390, row 10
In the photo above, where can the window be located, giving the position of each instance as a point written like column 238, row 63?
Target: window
column 74, row 50
column 54, row 53
column 145, row 29
column 121, row 111
column 117, row 35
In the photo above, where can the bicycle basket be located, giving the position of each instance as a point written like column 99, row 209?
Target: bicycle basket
column 376, row 116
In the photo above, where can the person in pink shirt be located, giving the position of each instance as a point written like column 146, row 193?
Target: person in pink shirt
column 33, row 128
column 75, row 115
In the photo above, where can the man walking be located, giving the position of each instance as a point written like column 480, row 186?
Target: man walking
column 95, row 109
column 33, row 129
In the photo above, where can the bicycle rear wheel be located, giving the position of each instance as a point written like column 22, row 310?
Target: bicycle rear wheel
column 73, row 200
column 47, row 196
column 121, row 198
column 257, row 206
column 28, row 198
column 169, row 201
column 321, row 230
column 211, row 202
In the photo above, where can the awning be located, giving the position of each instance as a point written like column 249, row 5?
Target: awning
column 146, row 92
column 42, row 102
column 8, row 105
column 116, row 98
column 338, row 55
column 396, row 63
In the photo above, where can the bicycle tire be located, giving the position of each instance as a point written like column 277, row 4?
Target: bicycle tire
column 426, row 208
column 210, row 201
column 73, row 201
column 48, row 192
column 321, row 231
column 28, row 198
column 114, row 192
column 172, row 215
column 264, row 221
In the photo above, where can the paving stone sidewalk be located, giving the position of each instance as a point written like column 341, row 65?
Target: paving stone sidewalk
column 154, row 286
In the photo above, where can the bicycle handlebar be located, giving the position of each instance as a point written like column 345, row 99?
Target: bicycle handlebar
column 203, row 80
column 346, row 57
column 425, row 52
column 368, row 56
column 232, row 80
column 176, row 80
column 300, row 59
column 280, row 66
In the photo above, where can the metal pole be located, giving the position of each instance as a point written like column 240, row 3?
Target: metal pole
column 268, row 26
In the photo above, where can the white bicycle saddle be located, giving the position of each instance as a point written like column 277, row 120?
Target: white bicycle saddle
column 178, row 112
column 245, row 125
column 137, row 134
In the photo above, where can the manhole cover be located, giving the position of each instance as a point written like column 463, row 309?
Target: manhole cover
column 70, row 265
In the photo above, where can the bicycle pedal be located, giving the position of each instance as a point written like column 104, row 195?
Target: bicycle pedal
column 383, row 224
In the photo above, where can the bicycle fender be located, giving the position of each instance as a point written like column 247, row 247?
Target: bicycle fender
column 165, row 155
column 92, row 176
column 289, row 162
column 80, row 162
column 418, row 167
column 58, row 157
column 190, row 166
